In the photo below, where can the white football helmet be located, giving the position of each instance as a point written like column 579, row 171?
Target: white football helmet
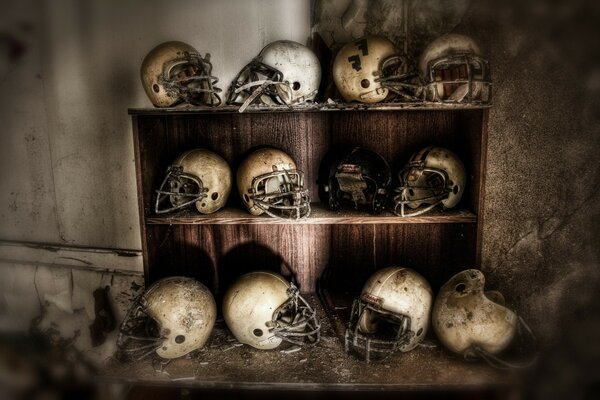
column 475, row 323
column 269, row 182
column 453, row 70
column 262, row 309
column 433, row 176
column 174, row 72
column 197, row 176
column 392, row 313
column 172, row 318
column 367, row 69
column 284, row 72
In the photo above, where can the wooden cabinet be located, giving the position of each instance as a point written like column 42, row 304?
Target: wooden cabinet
column 330, row 254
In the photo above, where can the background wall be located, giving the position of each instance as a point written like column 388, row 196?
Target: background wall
column 69, row 71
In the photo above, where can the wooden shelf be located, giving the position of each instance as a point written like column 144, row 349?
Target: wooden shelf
column 226, row 364
column 314, row 107
column 319, row 216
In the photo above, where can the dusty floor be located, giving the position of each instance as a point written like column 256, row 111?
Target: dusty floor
column 225, row 363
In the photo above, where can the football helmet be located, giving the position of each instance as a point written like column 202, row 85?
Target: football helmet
column 284, row 72
column 262, row 309
column 269, row 182
column 433, row 175
column 452, row 70
column 392, row 313
column 475, row 323
column 358, row 177
column 174, row 72
column 367, row 69
column 172, row 318
column 199, row 177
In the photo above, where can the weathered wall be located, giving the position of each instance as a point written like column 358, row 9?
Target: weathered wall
column 71, row 69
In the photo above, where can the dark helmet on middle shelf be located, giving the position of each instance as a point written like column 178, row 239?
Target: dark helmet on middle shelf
column 357, row 177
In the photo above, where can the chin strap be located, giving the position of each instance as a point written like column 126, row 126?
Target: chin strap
column 524, row 332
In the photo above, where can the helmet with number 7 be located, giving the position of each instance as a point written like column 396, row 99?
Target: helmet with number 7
column 453, row 70
column 392, row 313
column 367, row 69
column 172, row 318
column 174, row 72
column 269, row 182
column 284, row 72
column 262, row 309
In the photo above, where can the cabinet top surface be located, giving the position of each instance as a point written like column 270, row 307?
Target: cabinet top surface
column 313, row 107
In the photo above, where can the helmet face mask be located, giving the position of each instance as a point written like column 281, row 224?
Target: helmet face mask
column 433, row 176
column 453, row 71
column 174, row 72
column 283, row 73
column 172, row 318
column 269, row 182
column 200, row 177
column 183, row 190
column 391, row 314
column 358, row 177
column 262, row 310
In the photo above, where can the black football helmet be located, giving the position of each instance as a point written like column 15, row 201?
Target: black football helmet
column 355, row 177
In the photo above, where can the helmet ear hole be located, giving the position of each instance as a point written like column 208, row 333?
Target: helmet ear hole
column 246, row 198
column 156, row 88
column 460, row 288
column 455, row 189
column 365, row 83
column 296, row 86
column 257, row 332
column 214, row 196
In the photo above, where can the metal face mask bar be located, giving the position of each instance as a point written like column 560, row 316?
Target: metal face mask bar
column 182, row 186
column 179, row 77
column 393, row 77
column 295, row 321
column 136, row 340
column 356, row 340
column 291, row 201
column 402, row 199
column 467, row 61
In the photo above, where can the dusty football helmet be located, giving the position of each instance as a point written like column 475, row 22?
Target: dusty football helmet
column 367, row 69
column 433, row 175
column 262, row 309
column 269, row 182
column 173, row 317
column 199, row 177
column 174, row 72
column 475, row 323
column 358, row 177
column 392, row 313
column 452, row 70
column 284, row 72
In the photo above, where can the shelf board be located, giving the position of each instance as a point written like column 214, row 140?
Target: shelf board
column 319, row 216
column 312, row 107
column 226, row 364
